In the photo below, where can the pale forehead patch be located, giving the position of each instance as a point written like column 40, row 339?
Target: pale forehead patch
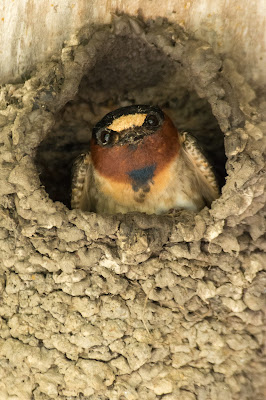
column 127, row 121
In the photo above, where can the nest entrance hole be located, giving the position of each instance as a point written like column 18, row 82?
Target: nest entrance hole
column 126, row 69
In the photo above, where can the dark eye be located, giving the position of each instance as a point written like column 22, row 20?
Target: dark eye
column 105, row 137
column 151, row 120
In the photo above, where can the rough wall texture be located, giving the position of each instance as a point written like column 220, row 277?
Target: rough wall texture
column 135, row 306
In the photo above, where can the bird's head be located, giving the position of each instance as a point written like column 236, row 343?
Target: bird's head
column 133, row 137
column 128, row 125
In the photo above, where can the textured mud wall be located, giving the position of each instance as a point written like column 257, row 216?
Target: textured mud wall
column 135, row 306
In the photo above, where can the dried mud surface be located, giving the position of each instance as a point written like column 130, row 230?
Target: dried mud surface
column 134, row 306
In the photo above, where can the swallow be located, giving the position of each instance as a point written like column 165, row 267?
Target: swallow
column 138, row 161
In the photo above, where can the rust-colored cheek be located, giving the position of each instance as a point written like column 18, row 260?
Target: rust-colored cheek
column 157, row 149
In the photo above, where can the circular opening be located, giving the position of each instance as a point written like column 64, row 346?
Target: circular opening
column 126, row 69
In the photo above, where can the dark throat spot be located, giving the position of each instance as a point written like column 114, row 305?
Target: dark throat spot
column 142, row 177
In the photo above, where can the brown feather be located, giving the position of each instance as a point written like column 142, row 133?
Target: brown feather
column 81, row 182
column 206, row 178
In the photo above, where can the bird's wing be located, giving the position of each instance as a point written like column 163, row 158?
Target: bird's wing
column 82, row 177
column 204, row 172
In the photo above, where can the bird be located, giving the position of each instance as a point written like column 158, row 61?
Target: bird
column 139, row 162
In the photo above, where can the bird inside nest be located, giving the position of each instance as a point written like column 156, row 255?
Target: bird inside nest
column 138, row 161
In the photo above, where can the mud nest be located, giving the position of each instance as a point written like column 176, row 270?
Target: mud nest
column 130, row 306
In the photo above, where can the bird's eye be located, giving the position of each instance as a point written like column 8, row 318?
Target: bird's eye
column 105, row 137
column 151, row 120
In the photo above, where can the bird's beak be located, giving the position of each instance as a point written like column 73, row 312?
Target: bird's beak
column 136, row 135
